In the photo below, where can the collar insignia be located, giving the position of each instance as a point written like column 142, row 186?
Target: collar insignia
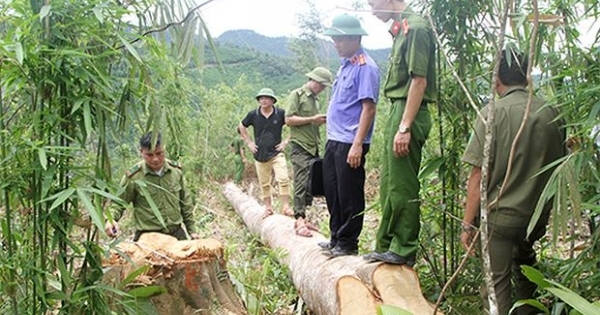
column 359, row 59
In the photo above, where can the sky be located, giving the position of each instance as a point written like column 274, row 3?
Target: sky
column 278, row 18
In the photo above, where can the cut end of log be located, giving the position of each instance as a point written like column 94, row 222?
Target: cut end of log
column 162, row 249
column 399, row 286
column 355, row 298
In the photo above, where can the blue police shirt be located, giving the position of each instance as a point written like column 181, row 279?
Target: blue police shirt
column 357, row 79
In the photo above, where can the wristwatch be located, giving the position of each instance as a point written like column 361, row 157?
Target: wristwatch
column 403, row 128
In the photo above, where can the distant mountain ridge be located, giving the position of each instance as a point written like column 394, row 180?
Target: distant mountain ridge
column 278, row 46
column 265, row 61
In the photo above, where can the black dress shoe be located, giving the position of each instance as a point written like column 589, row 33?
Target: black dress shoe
column 338, row 251
column 326, row 245
column 391, row 258
column 370, row 256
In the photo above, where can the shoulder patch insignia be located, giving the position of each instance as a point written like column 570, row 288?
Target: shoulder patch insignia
column 174, row 164
column 132, row 171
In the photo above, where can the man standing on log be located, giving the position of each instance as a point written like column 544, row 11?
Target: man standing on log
column 350, row 118
column 156, row 188
column 304, row 120
column 410, row 86
column 267, row 121
column 513, row 199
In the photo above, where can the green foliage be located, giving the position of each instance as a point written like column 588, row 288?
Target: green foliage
column 264, row 285
column 245, row 54
column 573, row 299
column 391, row 310
column 258, row 68
column 73, row 75
column 305, row 46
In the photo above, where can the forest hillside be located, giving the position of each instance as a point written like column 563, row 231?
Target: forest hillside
column 264, row 60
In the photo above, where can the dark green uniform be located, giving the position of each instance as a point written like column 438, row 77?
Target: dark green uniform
column 238, row 144
column 305, row 144
column 142, row 187
column 540, row 143
column 413, row 53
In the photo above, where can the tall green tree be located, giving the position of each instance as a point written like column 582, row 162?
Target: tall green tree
column 305, row 46
column 77, row 79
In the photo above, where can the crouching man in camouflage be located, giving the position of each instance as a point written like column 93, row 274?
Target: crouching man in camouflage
column 156, row 189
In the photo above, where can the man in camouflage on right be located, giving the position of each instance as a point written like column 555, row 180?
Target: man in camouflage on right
column 512, row 200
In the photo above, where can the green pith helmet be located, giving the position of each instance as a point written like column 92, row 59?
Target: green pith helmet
column 321, row 75
column 266, row 92
column 345, row 25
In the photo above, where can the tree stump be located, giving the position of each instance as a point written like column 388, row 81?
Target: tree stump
column 193, row 274
column 345, row 285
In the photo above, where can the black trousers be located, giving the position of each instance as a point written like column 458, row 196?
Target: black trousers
column 175, row 231
column 345, row 194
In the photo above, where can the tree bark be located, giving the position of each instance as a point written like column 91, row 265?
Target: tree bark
column 193, row 273
column 345, row 285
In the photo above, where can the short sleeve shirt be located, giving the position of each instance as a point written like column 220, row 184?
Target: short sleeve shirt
column 267, row 132
column 356, row 80
column 303, row 102
column 540, row 143
column 413, row 53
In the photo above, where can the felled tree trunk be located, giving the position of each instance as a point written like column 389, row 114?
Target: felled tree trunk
column 193, row 273
column 345, row 285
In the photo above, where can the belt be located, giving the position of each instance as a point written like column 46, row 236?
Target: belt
column 392, row 100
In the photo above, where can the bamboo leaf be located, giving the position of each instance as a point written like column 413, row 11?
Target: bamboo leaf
column 537, row 304
column 94, row 214
column 535, row 276
column 56, row 295
column 45, row 11
column 391, row 310
column 155, row 210
column 19, row 52
column 47, row 181
column 133, row 275
column 562, row 292
column 431, row 166
column 77, row 105
column 98, row 14
column 550, row 19
column 575, row 301
column 104, row 194
column 87, row 118
column 42, row 158
column 146, row 292
column 61, row 197
column 130, row 48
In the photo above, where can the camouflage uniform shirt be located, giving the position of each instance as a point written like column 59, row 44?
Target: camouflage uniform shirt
column 143, row 187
